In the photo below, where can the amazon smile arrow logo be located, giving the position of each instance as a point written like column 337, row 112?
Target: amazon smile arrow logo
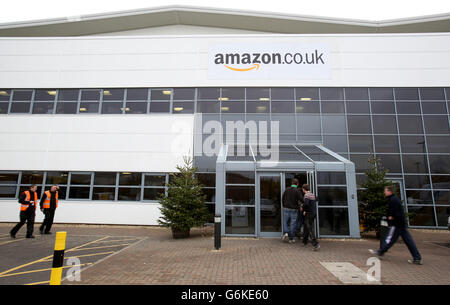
column 255, row 66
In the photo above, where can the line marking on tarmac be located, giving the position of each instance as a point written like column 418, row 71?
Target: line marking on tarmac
column 38, row 283
column 40, row 270
column 111, row 246
column 11, row 241
column 47, row 257
column 84, row 255
column 111, row 255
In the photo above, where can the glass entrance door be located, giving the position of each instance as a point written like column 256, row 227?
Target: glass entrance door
column 269, row 204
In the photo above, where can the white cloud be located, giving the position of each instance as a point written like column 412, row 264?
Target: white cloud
column 21, row 10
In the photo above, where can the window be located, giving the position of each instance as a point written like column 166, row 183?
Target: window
column 279, row 106
column 44, row 101
column 332, row 107
column 415, row 164
column 417, row 181
column 104, row 186
column 60, row 179
column 331, row 178
column 418, row 197
column 160, row 100
column 232, row 106
column 410, row 124
column 130, row 186
column 233, row 94
column 382, row 107
column 358, row 107
column 154, row 186
column 334, row 124
column 183, row 107
column 137, row 94
column 21, row 101
column 136, row 107
column 408, row 107
column 89, row 101
column 331, row 94
column 390, row 162
column 284, row 94
column 306, row 94
column 356, row 94
column 384, row 124
column 113, row 94
column 8, row 184
column 413, row 144
column 208, row 94
column 360, row 143
column 258, row 94
column 208, row 106
column 436, row 124
column 439, row 164
column 381, row 94
column 438, row 144
column 406, row 94
column 432, row 94
column 112, row 107
column 258, row 106
column 434, row 108
column 333, row 221
column 332, row 195
column 359, row 124
column 421, row 216
column 184, row 94
column 386, row 144
column 80, row 185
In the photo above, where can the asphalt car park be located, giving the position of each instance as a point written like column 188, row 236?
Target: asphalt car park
column 29, row 261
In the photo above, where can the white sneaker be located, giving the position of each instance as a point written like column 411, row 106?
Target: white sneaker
column 285, row 237
column 372, row 251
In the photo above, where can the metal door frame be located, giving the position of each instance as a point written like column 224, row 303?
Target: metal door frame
column 258, row 203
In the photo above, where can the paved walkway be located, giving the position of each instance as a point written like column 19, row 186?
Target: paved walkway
column 158, row 259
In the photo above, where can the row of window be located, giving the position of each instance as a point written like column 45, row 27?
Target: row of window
column 122, row 186
column 226, row 100
column 229, row 93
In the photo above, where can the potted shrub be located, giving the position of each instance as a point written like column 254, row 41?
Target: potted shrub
column 372, row 203
column 184, row 206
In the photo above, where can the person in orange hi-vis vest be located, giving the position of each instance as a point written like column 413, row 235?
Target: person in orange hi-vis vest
column 48, row 204
column 28, row 201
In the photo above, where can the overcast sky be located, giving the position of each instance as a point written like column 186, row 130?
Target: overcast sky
column 21, row 10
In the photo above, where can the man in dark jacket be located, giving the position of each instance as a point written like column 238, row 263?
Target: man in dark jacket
column 309, row 212
column 397, row 221
column 48, row 204
column 292, row 198
column 28, row 202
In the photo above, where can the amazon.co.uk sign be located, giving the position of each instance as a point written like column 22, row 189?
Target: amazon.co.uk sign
column 269, row 61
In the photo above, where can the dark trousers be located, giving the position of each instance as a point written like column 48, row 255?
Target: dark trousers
column 308, row 229
column 28, row 217
column 48, row 220
column 393, row 235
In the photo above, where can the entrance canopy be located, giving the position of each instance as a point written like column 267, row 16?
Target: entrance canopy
column 282, row 157
column 250, row 180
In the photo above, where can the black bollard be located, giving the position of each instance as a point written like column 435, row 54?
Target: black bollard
column 384, row 229
column 217, row 231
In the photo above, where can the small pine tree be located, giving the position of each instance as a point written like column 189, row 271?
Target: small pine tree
column 184, row 206
column 372, row 202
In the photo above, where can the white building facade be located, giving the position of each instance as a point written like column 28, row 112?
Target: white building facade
column 109, row 115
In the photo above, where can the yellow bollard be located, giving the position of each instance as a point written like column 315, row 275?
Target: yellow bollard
column 58, row 258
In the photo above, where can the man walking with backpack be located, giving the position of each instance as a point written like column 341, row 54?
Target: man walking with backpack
column 309, row 212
